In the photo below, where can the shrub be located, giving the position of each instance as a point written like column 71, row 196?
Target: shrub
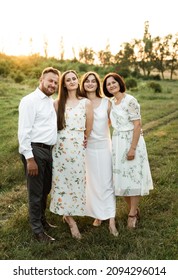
column 156, row 77
column 83, row 67
column 152, row 77
column 124, row 72
column 136, row 74
column 155, row 86
column 35, row 72
column 4, row 68
column 19, row 77
column 130, row 83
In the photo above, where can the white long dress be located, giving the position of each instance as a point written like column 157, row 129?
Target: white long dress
column 130, row 177
column 100, row 198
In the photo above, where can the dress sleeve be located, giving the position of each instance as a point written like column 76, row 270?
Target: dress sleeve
column 134, row 110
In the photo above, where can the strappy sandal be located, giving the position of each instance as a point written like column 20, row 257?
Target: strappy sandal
column 73, row 228
column 113, row 231
column 133, row 219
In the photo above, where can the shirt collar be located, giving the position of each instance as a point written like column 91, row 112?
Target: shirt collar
column 41, row 94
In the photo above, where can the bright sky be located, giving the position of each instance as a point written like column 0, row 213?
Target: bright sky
column 81, row 23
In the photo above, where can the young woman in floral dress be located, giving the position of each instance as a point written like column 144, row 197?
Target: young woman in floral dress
column 75, row 119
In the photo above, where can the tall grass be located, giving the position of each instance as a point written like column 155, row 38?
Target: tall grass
column 157, row 234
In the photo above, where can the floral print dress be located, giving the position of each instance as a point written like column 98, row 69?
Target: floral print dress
column 68, row 173
column 130, row 177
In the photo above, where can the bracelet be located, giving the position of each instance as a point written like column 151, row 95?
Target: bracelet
column 133, row 148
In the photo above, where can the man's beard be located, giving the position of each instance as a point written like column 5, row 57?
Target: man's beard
column 46, row 91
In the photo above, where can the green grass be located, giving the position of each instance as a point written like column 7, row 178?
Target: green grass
column 156, row 237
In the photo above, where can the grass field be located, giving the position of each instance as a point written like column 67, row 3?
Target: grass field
column 156, row 237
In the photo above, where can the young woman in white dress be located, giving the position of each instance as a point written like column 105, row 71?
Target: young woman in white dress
column 131, row 171
column 75, row 119
column 100, row 197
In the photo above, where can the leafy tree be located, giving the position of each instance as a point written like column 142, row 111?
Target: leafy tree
column 140, row 55
column 145, row 51
column 126, row 56
column 161, row 52
column 105, row 57
column 61, row 49
column 45, row 46
column 86, row 55
column 172, row 61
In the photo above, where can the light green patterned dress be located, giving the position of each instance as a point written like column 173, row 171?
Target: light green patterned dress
column 68, row 177
column 130, row 177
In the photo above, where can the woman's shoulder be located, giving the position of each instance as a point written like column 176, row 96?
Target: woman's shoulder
column 106, row 102
column 55, row 103
column 111, row 99
column 130, row 97
column 106, row 99
column 83, row 100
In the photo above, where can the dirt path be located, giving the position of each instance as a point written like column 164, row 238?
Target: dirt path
column 159, row 122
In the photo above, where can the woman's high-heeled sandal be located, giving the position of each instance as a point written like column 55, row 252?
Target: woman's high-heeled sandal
column 97, row 223
column 113, row 231
column 73, row 228
column 133, row 219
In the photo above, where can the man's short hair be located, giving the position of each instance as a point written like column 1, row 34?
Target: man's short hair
column 51, row 70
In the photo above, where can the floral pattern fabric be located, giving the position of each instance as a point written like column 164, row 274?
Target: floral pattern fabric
column 68, row 177
column 131, row 178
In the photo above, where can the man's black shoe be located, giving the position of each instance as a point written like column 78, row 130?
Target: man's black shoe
column 47, row 226
column 43, row 237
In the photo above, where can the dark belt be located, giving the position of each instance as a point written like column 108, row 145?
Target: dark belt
column 44, row 146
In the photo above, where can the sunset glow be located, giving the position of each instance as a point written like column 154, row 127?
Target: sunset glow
column 27, row 24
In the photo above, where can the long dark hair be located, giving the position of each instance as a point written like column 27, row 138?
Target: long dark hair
column 62, row 99
column 116, row 77
column 85, row 77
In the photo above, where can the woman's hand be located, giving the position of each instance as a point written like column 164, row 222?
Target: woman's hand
column 135, row 138
column 85, row 142
column 131, row 154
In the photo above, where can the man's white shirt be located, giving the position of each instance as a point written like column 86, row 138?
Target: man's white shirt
column 37, row 122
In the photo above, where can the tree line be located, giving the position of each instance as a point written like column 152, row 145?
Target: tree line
column 139, row 59
column 144, row 55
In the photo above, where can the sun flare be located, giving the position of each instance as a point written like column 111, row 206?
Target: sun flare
column 72, row 25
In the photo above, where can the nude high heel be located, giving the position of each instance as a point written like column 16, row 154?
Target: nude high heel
column 132, row 221
column 112, row 228
column 73, row 228
column 97, row 223
column 113, row 231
